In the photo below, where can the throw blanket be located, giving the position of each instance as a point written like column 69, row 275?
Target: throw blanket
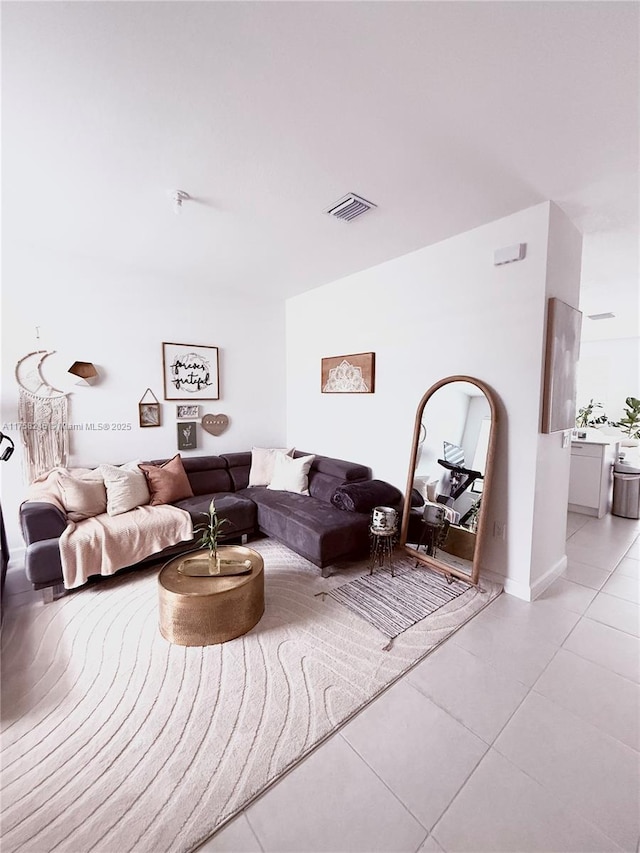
column 104, row 544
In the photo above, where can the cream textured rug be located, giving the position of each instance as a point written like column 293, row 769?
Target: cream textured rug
column 115, row 740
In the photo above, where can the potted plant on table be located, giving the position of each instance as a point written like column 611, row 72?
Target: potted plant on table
column 210, row 534
column 233, row 563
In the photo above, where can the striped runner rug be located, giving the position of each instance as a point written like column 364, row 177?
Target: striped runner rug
column 393, row 604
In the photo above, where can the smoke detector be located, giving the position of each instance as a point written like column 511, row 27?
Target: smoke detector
column 349, row 207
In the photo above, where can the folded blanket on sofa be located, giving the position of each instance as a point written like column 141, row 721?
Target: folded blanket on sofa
column 104, row 544
column 364, row 496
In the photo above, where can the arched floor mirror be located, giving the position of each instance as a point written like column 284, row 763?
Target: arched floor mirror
column 449, row 479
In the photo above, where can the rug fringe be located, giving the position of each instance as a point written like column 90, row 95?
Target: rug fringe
column 387, row 648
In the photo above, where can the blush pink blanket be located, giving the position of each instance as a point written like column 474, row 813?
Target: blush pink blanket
column 104, row 544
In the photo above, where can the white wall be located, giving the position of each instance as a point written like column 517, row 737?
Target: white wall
column 440, row 311
column 118, row 320
column 609, row 372
column 548, row 558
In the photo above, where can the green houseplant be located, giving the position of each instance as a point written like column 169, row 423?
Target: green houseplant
column 591, row 415
column 630, row 423
column 211, row 531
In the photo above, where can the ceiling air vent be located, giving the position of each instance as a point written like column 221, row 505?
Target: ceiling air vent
column 349, row 207
column 606, row 316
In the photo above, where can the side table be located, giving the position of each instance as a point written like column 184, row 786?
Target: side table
column 382, row 543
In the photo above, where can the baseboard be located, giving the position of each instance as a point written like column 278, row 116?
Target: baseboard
column 511, row 587
column 548, row 578
column 525, row 591
column 584, row 510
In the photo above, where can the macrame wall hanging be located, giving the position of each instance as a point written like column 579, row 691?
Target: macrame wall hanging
column 42, row 412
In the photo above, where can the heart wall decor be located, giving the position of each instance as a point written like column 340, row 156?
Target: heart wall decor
column 215, row 424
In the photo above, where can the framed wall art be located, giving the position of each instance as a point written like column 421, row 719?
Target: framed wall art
column 186, row 412
column 149, row 410
column 562, row 352
column 187, row 436
column 349, row 374
column 190, row 372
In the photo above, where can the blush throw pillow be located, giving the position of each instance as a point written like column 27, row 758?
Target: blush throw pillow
column 126, row 487
column 83, row 496
column 168, row 482
column 262, row 462
column 291, row 475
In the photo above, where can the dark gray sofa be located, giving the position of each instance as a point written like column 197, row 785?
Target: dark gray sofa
column 308, row 524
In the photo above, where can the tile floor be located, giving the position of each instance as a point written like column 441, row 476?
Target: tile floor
column 520, row 733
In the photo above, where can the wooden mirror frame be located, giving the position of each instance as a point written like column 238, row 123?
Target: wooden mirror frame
column 433, row 562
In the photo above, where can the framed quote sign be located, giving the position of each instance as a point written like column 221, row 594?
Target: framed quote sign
column 190, row 372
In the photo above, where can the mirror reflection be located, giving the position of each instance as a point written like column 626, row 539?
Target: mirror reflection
column 446, row 487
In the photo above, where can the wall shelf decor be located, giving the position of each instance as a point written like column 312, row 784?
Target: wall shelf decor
column 349, row 374
column 85, row 371
column 190, row 372
column 149, row 410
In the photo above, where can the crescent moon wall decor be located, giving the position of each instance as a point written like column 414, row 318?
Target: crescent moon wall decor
column 42, row 412
column 30, row 378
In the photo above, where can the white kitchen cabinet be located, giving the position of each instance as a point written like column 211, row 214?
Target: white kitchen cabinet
column 591, row 476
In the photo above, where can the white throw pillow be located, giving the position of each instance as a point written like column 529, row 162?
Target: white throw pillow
column 126, row 487
column 432, row 490
column 83, row 496
column 262, row 461
column 291, row 475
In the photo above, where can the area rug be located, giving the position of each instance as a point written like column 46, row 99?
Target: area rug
column 393, row 602
column 115, row 740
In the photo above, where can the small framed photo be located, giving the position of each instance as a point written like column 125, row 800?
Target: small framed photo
column 186, row 412
column 149, row 414
column 190, row 372
column 349, row 374
column 187, row 437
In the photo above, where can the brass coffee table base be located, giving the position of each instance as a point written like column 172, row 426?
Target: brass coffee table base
column 210, row 609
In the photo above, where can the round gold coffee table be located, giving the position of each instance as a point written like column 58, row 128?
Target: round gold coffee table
column 205, row 611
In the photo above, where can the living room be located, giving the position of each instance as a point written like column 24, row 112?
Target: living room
column 109, row 109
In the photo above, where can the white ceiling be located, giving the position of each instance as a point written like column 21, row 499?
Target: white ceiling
column 445, row 114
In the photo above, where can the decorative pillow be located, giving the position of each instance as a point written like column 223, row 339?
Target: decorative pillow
column 432, row 490
column 83, row 497
column 168, row 482
column 262, row 462
column 364, row 496
column 126, row 487
column 291, row 475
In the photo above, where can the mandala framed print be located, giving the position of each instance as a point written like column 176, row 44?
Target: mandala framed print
column 349, row 374
column 190, row 372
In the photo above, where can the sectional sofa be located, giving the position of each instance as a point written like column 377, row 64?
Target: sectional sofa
column 329, row 524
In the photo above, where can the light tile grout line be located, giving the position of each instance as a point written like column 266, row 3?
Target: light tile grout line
column 253, row 831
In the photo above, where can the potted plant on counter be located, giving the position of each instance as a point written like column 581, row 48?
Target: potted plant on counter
column 630, row 423
column 591, row 415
